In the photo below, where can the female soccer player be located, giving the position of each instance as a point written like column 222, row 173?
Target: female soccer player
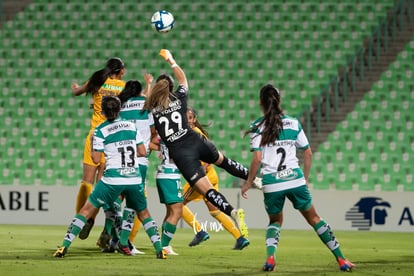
column 132, row 101
column 192, row 195
column 121, row 143
column 170, row 192
column 185, row 146
column 274, row 139
column 105, row 82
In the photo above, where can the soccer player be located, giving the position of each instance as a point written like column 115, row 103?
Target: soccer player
column 274, row 139
column 192, row 195
column 185, row 146
column 170, row 192
column 132, row 101
column 104, row 82
column 121, row 143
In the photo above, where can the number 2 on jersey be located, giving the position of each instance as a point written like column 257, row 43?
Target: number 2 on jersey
column 282, row 152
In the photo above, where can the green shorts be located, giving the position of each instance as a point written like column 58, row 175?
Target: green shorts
column 299, row 196
column 104, row 195
column 170, row 189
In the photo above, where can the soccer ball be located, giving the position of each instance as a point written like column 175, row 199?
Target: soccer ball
column 162, row 21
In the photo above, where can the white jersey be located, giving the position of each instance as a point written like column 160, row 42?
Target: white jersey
column 280, row 168
column 167, row 169
column 132, row 110
column 118, row 140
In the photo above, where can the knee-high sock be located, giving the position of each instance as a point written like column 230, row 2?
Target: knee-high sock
column 272, row 239
column 190, row 219
column 135, row 229
column 234, row 168
column 113, row 220
column 109, row 221
column 78, row 222
column 227, row 223
column 218, row 200
column 127, row 223
column 151, row 229
column 168, row 231
column 85, row 190
column 327, row 237
column 116, row 229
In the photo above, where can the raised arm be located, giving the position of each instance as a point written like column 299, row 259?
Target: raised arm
column 178, row 72
column 148, row 81
column 78, row 89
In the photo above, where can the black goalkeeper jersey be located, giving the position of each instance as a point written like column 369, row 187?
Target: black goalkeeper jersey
column 171, row 123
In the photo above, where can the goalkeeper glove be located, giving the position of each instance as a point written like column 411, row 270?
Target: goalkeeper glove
column 167, row 56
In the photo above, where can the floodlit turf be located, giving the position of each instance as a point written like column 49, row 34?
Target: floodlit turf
column 27, row 250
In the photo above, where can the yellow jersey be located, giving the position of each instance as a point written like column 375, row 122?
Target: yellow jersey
column 111, row 87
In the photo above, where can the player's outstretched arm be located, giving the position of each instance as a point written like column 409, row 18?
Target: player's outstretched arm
column 178, row 71
column 78, row 89
column 148, row 82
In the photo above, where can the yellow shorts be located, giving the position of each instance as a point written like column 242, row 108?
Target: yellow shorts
column 87, row 152
column 191, row 194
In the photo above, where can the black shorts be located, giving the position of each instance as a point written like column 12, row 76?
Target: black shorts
column 188, row 152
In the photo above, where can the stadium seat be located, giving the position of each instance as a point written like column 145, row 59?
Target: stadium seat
column 54, row 43
column 385, row 152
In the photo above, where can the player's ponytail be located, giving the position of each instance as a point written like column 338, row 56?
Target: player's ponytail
column 113, row 66
column 168, row 78
column 133, row 88
column 159, row 96
column 272, row 121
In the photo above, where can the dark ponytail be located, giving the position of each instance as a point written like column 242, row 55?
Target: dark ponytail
column 113, row 66
column 272, row 119
column 133, row 88
column 270, row 100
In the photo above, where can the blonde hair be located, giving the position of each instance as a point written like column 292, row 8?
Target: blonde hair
column 159, row 97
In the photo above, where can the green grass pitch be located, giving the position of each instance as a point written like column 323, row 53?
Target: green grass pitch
column 27, row 250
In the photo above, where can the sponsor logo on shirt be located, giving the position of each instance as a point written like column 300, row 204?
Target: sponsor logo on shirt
column 286, row 174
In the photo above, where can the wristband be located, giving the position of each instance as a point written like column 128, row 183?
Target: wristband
column 174, row 65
